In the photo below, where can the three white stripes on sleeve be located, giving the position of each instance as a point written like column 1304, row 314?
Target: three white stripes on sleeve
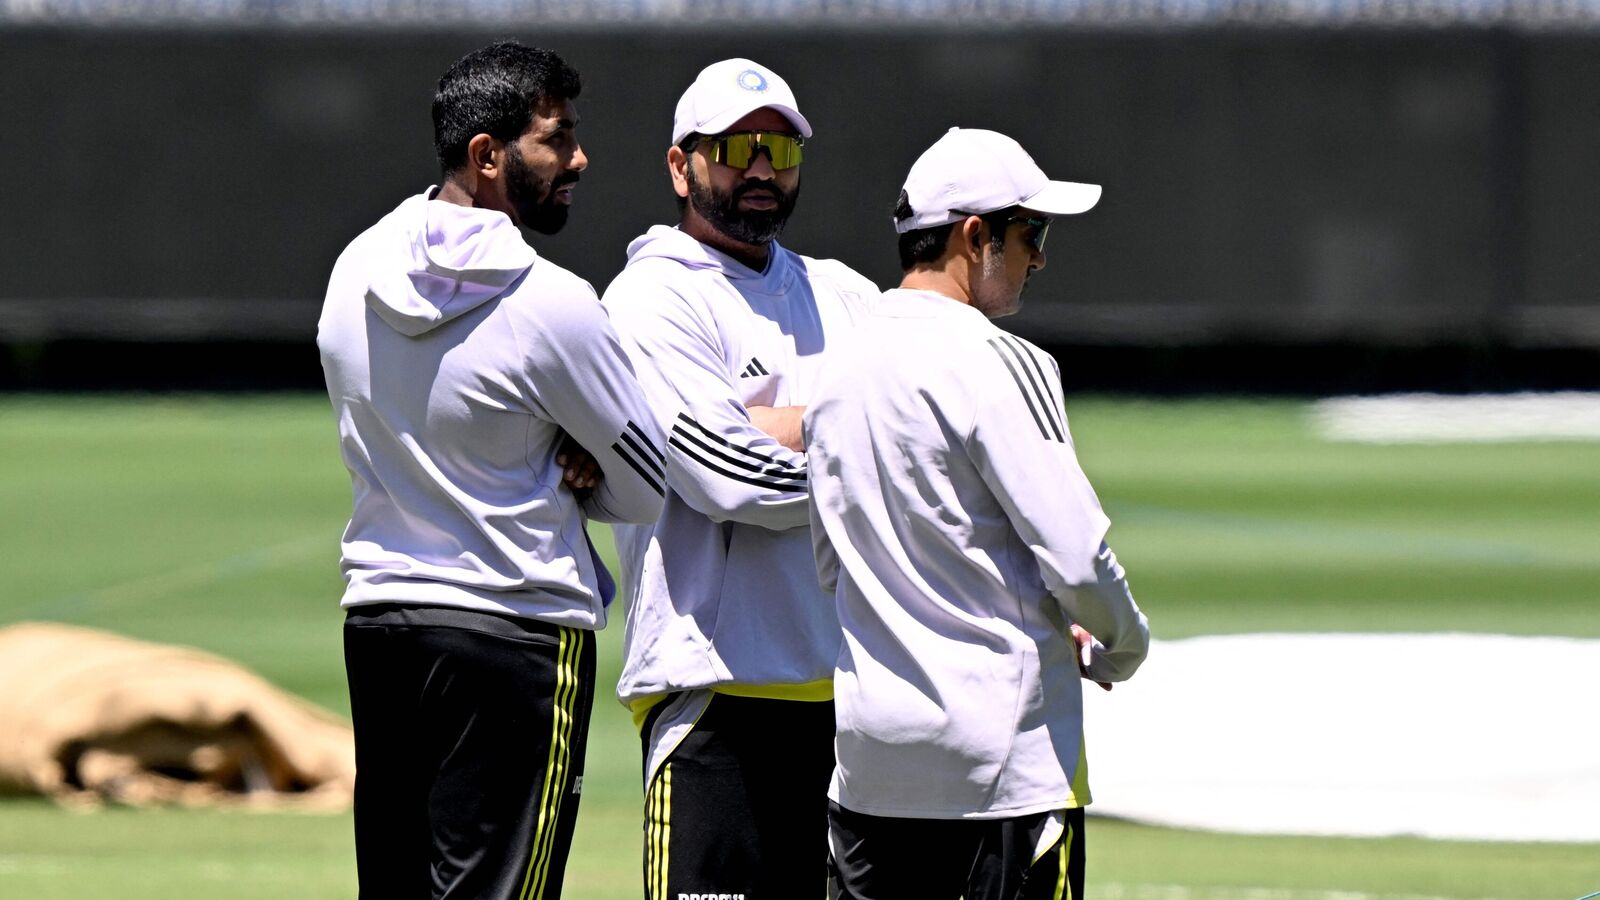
column 1030, row 378
column 704, row 446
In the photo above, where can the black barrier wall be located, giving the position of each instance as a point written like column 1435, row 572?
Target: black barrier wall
column 1367, row 188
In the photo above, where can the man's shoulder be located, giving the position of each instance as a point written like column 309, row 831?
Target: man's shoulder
column 390, row 226
column 942, row 355
column 551, row 295
column 890, row 363
column 1009, row 346
column 657, row 288
column 368, row 249
column 921, row 347
column 836, row 274
column 548, row 277
column 655, row 274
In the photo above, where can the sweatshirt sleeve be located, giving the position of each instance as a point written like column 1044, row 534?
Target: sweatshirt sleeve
column 1021, row 446
column 717, row 461
column 583, row 380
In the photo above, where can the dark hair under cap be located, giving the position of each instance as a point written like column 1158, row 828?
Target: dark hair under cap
column 924, row 245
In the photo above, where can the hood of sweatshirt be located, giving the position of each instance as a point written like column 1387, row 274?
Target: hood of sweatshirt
column 446, row 260
column 668, row 242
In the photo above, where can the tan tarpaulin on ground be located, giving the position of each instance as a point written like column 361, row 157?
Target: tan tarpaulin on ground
column 87, row 716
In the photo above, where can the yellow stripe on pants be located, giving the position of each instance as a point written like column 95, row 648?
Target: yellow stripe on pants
column 652, row 797
column 1061, row 877
column 560, row 762
column 660, row 835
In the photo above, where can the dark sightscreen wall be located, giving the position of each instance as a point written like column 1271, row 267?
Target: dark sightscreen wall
column 1375, row 187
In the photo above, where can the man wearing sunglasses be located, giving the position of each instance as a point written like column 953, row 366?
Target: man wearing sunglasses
column 966, row 551
column 730, row 642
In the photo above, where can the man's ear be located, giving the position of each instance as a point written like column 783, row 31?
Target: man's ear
column 970, row 233
column 678, row 168
column 481, row 156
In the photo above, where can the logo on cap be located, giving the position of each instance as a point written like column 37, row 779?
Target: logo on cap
column 751, row 80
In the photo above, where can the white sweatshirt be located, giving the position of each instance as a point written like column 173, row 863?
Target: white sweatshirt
column 457, row 360
column 961, row 539
column 722, row 591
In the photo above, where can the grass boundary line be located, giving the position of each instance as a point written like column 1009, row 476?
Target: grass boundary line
column 165, row 584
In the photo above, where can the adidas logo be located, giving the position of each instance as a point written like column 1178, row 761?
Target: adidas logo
column 755, row 368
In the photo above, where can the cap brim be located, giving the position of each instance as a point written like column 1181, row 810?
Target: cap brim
column 1064, row 198
column 722, row 122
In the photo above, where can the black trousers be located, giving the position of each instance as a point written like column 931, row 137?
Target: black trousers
column 884, row 858
column 740, row 807
column 470, row 737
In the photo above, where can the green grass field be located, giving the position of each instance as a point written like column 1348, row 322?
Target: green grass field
column 215, row 522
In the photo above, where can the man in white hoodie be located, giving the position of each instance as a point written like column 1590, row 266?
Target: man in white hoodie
column 486, row 410
column 730, row 642
column 967, row 553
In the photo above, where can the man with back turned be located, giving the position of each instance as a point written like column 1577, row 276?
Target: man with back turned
column 966, row 552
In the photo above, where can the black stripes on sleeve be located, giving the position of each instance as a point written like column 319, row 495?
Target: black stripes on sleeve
column 637, row 451
column 712, row 451
column 1043, row 404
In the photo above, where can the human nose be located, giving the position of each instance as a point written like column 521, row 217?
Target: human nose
column 760, row 167
column 580, row 160
column 1036, row 260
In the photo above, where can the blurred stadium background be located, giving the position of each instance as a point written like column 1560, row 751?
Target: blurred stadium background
column 1316, row 196
column 1302, row 199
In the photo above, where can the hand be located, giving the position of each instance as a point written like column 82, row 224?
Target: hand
column 782, row 422
column 580, row 472
column 1085, row 642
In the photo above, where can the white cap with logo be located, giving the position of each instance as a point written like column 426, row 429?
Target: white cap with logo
column 726, row 92
column 970, row 171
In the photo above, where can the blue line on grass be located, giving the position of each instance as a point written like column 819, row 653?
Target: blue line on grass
column 1374, row 542
column 165, row 584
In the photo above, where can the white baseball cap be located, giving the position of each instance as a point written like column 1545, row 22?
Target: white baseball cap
column 726, row 92
column 970, row 171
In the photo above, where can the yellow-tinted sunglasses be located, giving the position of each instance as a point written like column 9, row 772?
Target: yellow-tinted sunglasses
column 740, row 148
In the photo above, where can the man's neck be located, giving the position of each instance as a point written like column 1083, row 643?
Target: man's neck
column 754, row 256
column 937, row 281
column 454, row 192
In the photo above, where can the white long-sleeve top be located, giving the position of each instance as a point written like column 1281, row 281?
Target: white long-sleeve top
column 961, row 539
column 457, row 360
column 721, row 589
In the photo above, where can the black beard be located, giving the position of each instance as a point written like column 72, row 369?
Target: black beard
column 749, row 226
column 524, row 189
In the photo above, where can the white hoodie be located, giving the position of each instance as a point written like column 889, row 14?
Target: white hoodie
column 457, row 359
column 962, row 540
column 722, row 589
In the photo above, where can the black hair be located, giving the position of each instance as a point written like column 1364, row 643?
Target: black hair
column 494, row 90
column 924, row 245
